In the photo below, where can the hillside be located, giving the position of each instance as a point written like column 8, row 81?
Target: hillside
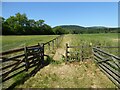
column 76, row 29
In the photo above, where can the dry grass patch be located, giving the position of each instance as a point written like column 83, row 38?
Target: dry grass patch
column 72, row 75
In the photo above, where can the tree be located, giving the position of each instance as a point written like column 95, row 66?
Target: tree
column 21, row 19
column 47, row 29
column 31, row 23
column 59, row 30
column 40, row 23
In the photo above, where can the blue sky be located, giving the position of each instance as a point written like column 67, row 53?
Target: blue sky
column 66, row 13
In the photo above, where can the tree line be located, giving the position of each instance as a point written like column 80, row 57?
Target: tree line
column 75, row 29
column 21, row 25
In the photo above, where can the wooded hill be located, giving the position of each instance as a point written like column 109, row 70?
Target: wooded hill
column 75, row 29
column 21, row 25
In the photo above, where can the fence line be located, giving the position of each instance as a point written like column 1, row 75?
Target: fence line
column 21, row 60
column 109, row 64
column 53, row 43
column 79, row 55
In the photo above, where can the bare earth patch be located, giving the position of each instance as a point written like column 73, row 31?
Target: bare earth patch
column 116, row 40
column 59, row 54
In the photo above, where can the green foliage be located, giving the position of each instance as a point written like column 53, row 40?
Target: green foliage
column 75, row 29
column 21, row 25
column 50, row 60
column 59, row 30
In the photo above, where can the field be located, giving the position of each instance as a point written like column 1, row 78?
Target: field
column 60, row 75
column 11, row 42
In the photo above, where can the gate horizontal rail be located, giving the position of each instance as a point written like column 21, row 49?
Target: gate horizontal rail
column 17, row 61
column 108, row 63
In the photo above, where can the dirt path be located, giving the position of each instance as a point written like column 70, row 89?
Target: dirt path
column 60, row 53
column 116, row 40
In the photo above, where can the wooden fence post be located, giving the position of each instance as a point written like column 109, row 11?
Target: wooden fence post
column 57, row 42
column 53, row 44
column 77, row 56
column 82, row 53
column 66, row 52
column 26, row 58
column 42, row 53
column 49, row 46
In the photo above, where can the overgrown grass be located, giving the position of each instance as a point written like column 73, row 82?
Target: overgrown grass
column 11, row 42
column 92, row 40
column 83, row 75
column 76, row 75
column 73, row 75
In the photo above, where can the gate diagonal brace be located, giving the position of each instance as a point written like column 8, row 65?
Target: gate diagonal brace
column 117, row 63
column 105, row 60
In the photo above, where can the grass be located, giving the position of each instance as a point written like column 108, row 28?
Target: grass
column 60, row 75
column 110, row 39
column 11, row 42
column 74, row 75
column 80, row 75
column 95, row 38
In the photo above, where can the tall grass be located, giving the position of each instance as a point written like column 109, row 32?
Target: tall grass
column 11, row 42
column 92, row 40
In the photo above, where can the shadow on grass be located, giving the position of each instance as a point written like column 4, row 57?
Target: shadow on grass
column 37, row 68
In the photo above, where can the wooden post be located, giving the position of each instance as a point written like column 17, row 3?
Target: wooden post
column 49, row 46
column 66, row 52
column 39, row 54
column 53, row 44
column 42, row 54
column 82, row 53
column 26, row 58
column 77, row 55
column 90, row 51
column 57, row 42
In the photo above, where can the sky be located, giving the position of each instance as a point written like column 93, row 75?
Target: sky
column 66, row 13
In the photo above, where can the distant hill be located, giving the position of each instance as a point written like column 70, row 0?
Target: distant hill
column 97, row 27
column 72, row 27
column 76, row 29
column 81, row 27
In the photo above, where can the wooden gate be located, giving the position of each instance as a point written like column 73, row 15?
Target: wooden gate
column 108, row 63
column 24, row 61
column 20, row 60
column 78, row 53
